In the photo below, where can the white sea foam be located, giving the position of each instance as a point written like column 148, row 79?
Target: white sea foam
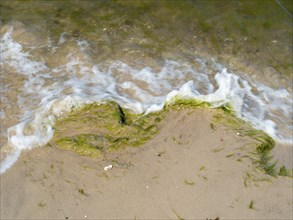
column 11, row 53
column 48, row 93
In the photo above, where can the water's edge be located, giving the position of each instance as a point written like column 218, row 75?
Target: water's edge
column 58, row 56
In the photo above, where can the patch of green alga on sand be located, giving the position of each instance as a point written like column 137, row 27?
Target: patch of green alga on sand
column 177, row 103
column 260, row 150
column 98, row 128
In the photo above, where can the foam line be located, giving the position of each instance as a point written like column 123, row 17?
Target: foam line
column 48, row 93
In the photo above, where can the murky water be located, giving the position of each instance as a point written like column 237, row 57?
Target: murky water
column 57, row 55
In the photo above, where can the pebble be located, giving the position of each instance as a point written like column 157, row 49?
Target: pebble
column 109, row 167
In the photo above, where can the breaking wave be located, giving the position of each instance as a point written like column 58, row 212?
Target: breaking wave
column 44, row 93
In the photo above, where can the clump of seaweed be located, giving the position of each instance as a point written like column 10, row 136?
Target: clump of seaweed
column 178, row 103
column 189, row 183
column 42, row 204
column 100, row 127
column 251, row 204
column 264, row 149
column 285, row 172
column 82, row 192
column 97, row 128
column 264, row 143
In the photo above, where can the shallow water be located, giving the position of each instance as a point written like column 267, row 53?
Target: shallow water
column 57, row 55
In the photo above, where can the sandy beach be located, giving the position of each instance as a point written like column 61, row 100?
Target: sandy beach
column 191, row 169
column 129, row 109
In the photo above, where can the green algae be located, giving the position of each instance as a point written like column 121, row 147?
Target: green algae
column 264, row 146
column 177, row 215
column 218, row 149
column 202, row 168
column 82, row 192
column 285, row 172
column 178, row 103
column 80, row 144
column 98, row 128
column 227, row 119
column 261, row 150
column 42, row 204
column 251, row 205
column 189, row 182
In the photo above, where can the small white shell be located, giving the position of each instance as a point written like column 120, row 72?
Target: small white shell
column 109, row 167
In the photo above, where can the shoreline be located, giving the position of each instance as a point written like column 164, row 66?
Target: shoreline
column 188, row 160
column 189, row 169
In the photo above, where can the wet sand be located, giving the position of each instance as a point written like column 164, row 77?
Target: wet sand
column 189, row 170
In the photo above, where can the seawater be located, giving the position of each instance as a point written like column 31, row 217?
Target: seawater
column 35, row 93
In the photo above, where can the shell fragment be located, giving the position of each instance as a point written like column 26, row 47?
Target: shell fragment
column 109, row 167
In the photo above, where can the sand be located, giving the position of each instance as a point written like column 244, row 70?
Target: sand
column 189, row 170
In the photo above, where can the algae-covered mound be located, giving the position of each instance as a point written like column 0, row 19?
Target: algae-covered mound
column 102, row 127
column 260, row 150
column 97, row 128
